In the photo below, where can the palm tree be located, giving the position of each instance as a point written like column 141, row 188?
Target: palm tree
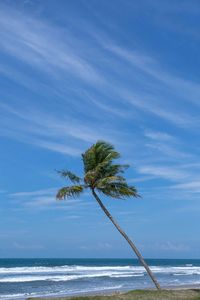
column 103, row 176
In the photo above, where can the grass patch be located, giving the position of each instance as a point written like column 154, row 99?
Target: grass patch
column 187, row 294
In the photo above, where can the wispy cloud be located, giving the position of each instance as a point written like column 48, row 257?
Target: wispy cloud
column 38, row 44
column 150, row 104
column 190, row 186
column 45, row 199
column 65, row 135
column 20, row 246
column 41, row 200
column 175, row 247
column 189, row 90
column 165, row 172
column 34, row 193
column 158, row 136
column 38, row 198
column 98, row 246
column 166, row 144
column 157, row 88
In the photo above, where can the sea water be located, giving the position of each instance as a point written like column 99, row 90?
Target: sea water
column 22, row 278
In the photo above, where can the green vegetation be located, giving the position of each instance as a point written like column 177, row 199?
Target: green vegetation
column 103, row 176
column 187, row 294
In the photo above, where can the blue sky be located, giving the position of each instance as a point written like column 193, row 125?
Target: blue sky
column 73, row 72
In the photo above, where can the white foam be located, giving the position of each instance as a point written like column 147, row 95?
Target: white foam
column 66, row 273
column 189, row 265
column 127, row 275
column 16, row 296
column 178, row 270
column 12, row 295
column 65, row 277
column 62, row 269
column 72, row 269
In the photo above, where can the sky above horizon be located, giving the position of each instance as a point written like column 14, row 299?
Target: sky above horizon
column 74, row 72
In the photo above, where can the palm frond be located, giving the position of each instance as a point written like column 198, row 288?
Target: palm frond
column 99, row 154
column 105, row 152
column 111, row 169
column 118, row 190
column 114, row 169
column 71, row 176
column 104, row 171
column 110, row 179
column 100, row 173
column 69, row 192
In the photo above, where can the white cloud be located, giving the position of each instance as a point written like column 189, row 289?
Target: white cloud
column 162, row 86
column 158, row 136
column 34, row 193
column 21, row 246
column 39, row 45
column 141, row 179
column 190, row 186
column 64, row 135
column 175, row 247
column 165, row 172
column 45, row 199
column 188, row 90
column 149, row 105
column 168, row 150
column 99, row 246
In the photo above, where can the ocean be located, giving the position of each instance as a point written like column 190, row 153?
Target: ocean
column 22, row 278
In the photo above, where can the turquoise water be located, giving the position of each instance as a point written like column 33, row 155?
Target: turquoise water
column 20, row 278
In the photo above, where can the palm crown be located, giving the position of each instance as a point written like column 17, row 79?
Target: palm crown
column 100, row 173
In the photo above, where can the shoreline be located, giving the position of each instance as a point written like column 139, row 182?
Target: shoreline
column 113, row 294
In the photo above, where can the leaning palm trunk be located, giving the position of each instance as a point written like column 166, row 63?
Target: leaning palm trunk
column 142, row 261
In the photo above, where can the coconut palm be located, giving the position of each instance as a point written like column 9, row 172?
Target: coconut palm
column 103, row 176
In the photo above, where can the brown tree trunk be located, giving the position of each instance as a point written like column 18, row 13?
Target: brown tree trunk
column 128, row 240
